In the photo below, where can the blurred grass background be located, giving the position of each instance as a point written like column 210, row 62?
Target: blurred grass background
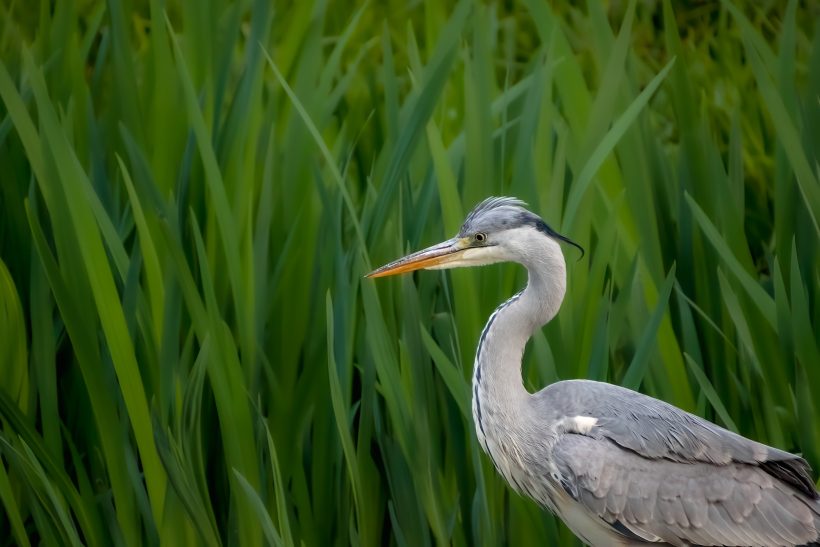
column 191, row 192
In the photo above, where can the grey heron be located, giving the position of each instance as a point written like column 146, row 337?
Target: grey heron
column 619, row 467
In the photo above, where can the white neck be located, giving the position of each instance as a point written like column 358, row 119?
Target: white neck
column 498, row 390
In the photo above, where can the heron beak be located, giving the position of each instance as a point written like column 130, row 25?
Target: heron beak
column 435, row 257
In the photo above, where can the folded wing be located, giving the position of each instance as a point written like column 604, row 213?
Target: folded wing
column 683, row 503
column 657, row 473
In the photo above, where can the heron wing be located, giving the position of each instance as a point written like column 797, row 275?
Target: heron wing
column 657, row 430
column 683, row 503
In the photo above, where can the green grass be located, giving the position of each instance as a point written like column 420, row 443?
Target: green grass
column 192, row 192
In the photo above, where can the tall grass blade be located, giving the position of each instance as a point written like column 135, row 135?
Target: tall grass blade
column 759, row 296
column 104, row 291
column 262, row 516
column 606, row 145
column 640, row 361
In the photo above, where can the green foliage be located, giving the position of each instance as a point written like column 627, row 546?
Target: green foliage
column 192, row 192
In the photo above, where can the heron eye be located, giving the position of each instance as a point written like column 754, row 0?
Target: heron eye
column 480, row 236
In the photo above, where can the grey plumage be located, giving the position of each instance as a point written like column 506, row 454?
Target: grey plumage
column 664, row 474
column 619, row 467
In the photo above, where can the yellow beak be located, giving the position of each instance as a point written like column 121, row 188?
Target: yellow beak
column 438, row 256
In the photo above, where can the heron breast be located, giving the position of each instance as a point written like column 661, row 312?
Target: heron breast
column 508, row 447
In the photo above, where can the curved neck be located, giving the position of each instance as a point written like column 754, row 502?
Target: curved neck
column 497, row 372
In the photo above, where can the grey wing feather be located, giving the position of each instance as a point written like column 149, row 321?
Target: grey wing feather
column 683, row 503
column 657, row 430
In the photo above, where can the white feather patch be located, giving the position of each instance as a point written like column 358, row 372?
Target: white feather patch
column 577, row 424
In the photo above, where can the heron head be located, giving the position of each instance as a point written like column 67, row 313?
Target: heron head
column 499, row 229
